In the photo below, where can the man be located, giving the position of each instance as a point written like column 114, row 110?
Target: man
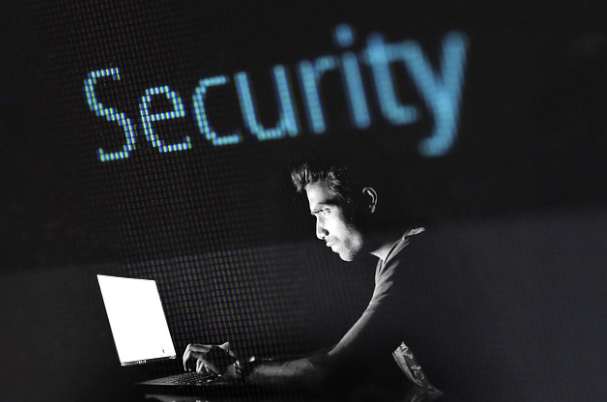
column 345, row 208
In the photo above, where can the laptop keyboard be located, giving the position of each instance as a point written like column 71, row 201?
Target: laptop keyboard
column 189, row 378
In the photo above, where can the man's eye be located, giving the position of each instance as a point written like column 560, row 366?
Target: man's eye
column 321, row 212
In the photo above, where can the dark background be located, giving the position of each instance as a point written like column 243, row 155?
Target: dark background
column 221, row 230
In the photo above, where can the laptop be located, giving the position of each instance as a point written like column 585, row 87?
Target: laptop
column 141, row 334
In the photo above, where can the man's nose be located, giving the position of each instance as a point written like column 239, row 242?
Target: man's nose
column 321, row 232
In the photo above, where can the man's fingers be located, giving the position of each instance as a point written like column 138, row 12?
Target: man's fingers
column 186, row 357
column 203, row 365
column 211, row 367
column 197, row 347
column 226, row 347
column 199, row 352
column 191, row 351
column 199, row 366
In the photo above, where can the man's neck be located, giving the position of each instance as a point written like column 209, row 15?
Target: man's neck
column 383, row 244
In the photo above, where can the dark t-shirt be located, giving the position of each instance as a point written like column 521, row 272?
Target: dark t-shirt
column 455, row 335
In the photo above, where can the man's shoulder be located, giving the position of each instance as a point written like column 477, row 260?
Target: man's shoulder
column 426, row 239
column 395, row 261
column 409, row 237
column 422, row 246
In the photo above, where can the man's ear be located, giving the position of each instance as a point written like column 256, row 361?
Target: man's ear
column 370, row 196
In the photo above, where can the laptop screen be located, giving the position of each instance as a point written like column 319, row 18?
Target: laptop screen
column 138, row 323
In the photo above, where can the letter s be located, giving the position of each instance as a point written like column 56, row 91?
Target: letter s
column 109, row 114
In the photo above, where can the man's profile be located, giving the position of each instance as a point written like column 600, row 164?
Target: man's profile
column 344, row 207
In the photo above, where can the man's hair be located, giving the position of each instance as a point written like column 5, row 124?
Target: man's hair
column 340, row 178
column 346, row 176
column 346, row 170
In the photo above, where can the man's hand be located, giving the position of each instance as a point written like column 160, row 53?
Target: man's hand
column 216, row 359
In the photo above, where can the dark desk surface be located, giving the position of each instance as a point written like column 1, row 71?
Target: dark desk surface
column 356, row 394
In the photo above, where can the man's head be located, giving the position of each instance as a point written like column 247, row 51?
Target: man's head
column 341, row 204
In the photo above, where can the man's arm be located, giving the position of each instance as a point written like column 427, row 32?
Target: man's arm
column 367, row 345
column 307, row 372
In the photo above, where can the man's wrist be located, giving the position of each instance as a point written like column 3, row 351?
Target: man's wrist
column 245, row 367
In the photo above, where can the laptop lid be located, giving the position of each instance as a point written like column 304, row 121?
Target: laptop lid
column 137, row 320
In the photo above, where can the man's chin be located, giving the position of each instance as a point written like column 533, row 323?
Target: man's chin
column 348, row 257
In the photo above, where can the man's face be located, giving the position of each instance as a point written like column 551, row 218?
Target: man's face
column 332, row 225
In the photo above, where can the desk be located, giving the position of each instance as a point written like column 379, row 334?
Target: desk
column 357, row 394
